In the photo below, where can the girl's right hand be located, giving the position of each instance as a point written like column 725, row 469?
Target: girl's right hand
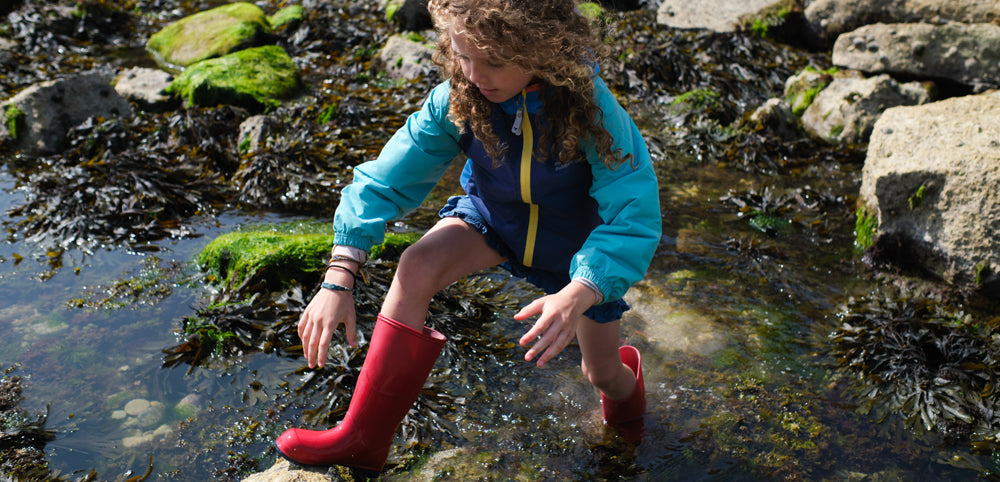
column 325, row 312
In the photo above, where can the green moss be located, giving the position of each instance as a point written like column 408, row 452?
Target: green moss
column 808, row 96
column 391, row 8
column 329, row 112
column 254, row 78
column 13, row 118
column 981, row 270
column 286, row 16
column 244, row 145
column 836, row 131
column 917, row 198
column 591, row 10
column 281, row 254
column 208, row 34
column 393, row 245
column 697, row 98
column 864, row 229
column 271, row 255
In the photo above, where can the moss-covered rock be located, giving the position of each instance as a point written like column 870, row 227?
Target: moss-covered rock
column 278, row 256
column 208, row 34
column 288, row 16
column 255, row 78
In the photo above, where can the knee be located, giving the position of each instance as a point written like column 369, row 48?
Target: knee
column 601, row 377
column 420, row 267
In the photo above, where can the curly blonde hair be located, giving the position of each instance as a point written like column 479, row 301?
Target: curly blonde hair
column 547, row 39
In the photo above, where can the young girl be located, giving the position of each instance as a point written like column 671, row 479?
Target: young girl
column 559, row 190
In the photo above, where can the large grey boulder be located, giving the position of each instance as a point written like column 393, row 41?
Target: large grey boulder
column 932, row 178
column 968, row 54
column 827, row 19
column 845, row 111
column 39, row 117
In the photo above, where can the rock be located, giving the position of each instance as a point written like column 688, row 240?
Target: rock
column 38, row 118
column 932, row 176
column 801, row 88
column 777, row 116
column 845, row 111
column 255, row 133
column 255, row 78
column 716, row 15
column 827, row 19
column 188, row 406
column 146, row 88
column 209, row 34
column 137, row 407
column 406, row 58
column 669, row 325
column 967, row 54
column 409, row 15
column 284, row 471
column 289, row 17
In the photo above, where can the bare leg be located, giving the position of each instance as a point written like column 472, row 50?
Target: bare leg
column 602, row 363
column 448, row 252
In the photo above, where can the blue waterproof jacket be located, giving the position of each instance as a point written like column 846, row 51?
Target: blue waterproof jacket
column 581, row 217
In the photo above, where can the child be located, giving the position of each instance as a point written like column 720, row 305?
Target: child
column 560, row 190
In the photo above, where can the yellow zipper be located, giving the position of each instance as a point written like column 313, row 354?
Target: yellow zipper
column 526, row 149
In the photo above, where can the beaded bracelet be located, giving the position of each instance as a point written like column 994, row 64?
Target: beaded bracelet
column 334, row 287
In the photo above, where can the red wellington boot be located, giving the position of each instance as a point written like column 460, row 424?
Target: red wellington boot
column 398, row 362
column 618, row 412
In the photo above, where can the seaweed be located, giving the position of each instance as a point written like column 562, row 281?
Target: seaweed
column 923, row 361
column 22, row 436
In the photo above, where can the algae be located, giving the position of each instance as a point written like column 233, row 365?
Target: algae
column 208, row 34
column 256, row 78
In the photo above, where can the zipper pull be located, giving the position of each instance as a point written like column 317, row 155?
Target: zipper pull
column 518, row 118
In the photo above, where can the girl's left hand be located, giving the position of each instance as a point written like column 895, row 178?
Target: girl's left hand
column 560, row 312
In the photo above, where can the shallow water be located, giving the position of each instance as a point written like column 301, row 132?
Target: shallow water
column 731, row 323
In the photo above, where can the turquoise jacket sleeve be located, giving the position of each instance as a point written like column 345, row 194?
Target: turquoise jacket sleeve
column 408, row 167
column 617, row 253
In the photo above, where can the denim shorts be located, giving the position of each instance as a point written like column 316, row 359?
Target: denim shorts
column 462, row 208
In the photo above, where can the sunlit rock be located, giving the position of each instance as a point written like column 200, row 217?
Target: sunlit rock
column 932, row 176
column 966, row 54
column 208, row 34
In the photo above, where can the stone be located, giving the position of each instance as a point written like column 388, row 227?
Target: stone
column 932, row 177
column 38, row 118
column 209, row 34
column 715, row 15
column 284, row 471
column 845, row 111
column 967, row 54
column 146, row 88
column 256, row 79
column 137, row 407
column 406, row 58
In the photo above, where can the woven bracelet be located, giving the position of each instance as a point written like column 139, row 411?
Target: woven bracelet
column 334, row 287
column 345, row 269
column 341, row 257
